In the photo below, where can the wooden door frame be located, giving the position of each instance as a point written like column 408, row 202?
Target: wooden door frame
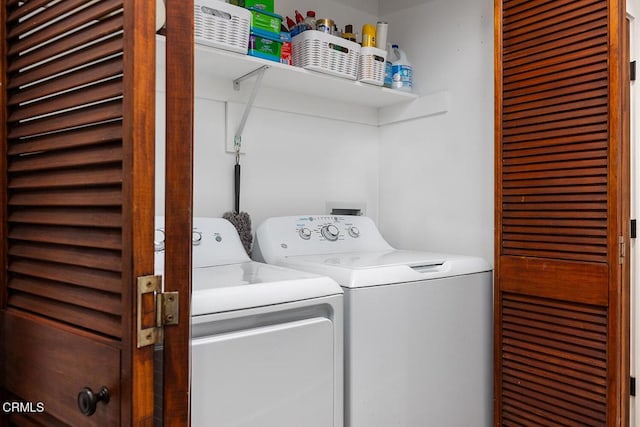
column 139, row 200
column 618, row 234
column 3, row 184
column 179, row 206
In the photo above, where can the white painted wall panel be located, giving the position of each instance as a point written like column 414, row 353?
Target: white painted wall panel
column 295, row 164
column 436, row 174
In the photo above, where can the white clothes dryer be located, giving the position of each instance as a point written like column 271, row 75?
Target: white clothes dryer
column 266, row 340
column 418, row 325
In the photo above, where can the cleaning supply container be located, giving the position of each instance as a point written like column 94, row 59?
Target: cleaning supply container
column 222, row 25
column 322, row 52
column 402, row 72
column 265, row 23
column 265, row 46
column 372, row 65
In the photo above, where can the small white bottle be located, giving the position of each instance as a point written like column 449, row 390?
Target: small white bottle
column 402, row 72
column 310, row 20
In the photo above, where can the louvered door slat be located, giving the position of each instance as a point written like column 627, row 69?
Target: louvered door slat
column 557, row 24
column 96, row 73
column 83, row 257
column 592, row 382
column 99, row 30
column 542, row 40
column 25, row 9
column 545, row 112
column 573, row 415
column 556, row 96
column 94, row 135
column 528, row 10
column 582, row 129
column 559, row 11
column 80, row 237
column 93, row 217
column 565, row 168
column 73, row 275
column 76, row 295
column 90, row 319
column 591, row 70
column 551, row 86
column 52, row 12
column 65, row 26
column 550, row 33
column 559, row 391
column 104, row 50
column 570, row 143
column 552, row 67
column 70, row 197
column 590, row 197
column 558, row 48
column 68, row 178
column 520, row 417
column 95, row 155
column 555, row 112
column 520, row 7
column 99, row 92
column 555, row 160
column 65, row 120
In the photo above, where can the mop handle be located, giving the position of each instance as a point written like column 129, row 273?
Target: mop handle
column 236, row 170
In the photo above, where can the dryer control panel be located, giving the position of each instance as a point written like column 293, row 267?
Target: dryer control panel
column 316, row 234
column 215, row 241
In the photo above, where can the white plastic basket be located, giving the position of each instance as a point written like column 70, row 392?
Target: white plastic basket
column 222, row 25
column 372, row 64
column 318, row 51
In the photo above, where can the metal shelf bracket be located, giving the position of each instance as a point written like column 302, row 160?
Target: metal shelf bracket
column 237, row 139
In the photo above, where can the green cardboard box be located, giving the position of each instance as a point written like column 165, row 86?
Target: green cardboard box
column 266, row 5
column 263, row 21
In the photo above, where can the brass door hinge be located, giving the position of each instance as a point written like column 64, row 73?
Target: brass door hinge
column 621, row 254
column 165, row 309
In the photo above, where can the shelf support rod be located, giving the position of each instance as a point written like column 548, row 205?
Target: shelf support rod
column 260, row 70
column 237, row 139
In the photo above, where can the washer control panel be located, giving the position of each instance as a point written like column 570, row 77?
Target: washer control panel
column 329, row 228
column 316, row 234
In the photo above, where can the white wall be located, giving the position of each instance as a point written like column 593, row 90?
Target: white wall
column 295, row 165
column 436, row 174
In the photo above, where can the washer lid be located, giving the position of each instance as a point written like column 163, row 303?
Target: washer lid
column 253, row 284
column 360, row 269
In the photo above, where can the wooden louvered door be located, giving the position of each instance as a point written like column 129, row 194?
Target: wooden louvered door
column 561, row 296
column 77, row 175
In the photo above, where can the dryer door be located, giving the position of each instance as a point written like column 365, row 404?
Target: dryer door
column 270, row 376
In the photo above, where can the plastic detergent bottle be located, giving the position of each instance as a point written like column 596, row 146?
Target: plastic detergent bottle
column 402, row 71
column 310, row 20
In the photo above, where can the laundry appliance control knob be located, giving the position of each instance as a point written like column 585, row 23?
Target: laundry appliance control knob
column 330, row 232
column 354, row 232
column 305, row 233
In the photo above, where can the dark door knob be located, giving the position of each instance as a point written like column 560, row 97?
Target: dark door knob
column 87, row 399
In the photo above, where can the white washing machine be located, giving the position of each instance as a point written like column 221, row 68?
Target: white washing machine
column 418, row 325
column 266, row 340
